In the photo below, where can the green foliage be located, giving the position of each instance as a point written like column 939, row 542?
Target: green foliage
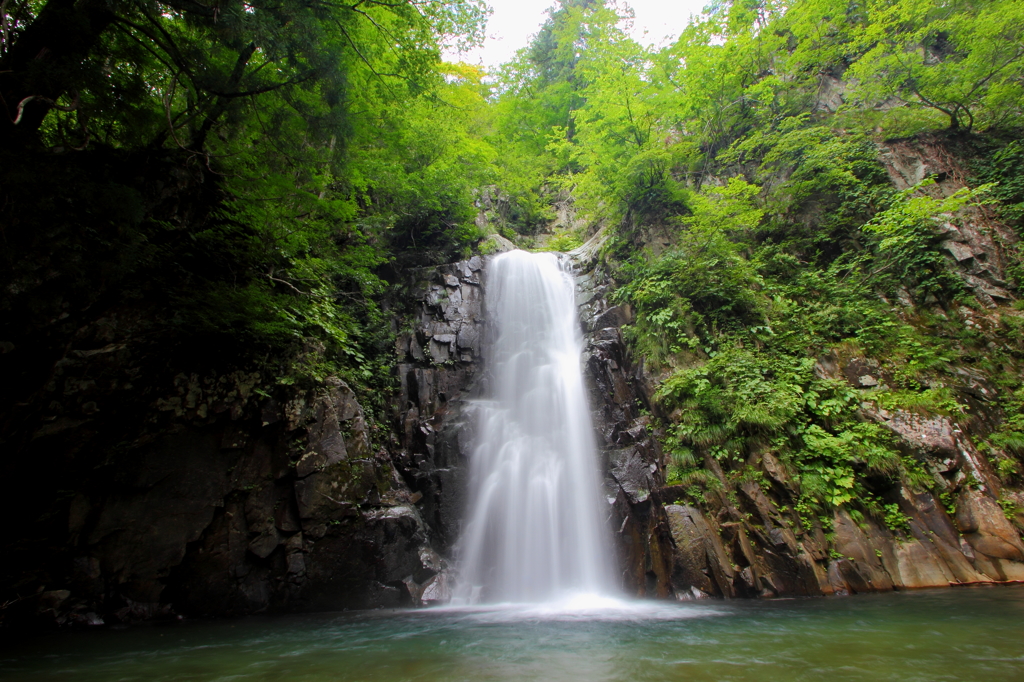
column 567, row 241
column 964, row 65
column 836, row 176
column 740, row 314
column 331, row 142
column 1005, row 171
column 931, row 401
column 909, row 246
column 1007, row 468
column 746, row 153
column 1010, row 436
column 691, row 477
column 948, row 502
column 702, row 286
column 895, row 520
column 782, row 240
column 1010, row 508
column 737, row 391
column 633, row 131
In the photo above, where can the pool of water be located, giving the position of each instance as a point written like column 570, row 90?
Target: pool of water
column 954, row 634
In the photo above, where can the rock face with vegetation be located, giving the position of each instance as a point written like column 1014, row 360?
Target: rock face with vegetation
column 813, row 218
column 748, row 538
column 878, row 461
column 241, row 294
column 199, row 208
column 223, row 501
column 631, row 455
column 233, row 495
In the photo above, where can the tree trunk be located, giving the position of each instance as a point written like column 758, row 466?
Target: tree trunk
column 44, row 64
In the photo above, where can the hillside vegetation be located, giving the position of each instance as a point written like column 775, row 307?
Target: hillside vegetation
column 751, row 184
column 810, row 212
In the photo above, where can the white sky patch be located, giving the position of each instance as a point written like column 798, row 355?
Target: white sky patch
column 515, row 22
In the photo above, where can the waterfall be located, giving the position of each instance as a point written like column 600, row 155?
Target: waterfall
column 535, row 528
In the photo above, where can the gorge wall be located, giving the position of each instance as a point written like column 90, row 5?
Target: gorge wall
column 229, row 494
column 225, row 495
column 144, row 493
column 740, row 535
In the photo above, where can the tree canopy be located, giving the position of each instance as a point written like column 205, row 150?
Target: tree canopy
column 336, row 138
column 750, row 222
column 336, row 148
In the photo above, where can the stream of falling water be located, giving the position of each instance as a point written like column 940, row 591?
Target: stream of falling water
column 535, row 529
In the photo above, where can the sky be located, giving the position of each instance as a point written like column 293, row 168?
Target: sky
column 514, row 22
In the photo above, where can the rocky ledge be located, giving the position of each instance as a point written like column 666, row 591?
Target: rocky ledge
column 234, row 494
column 745, row 540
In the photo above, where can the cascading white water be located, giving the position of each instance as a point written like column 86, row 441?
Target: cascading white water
column 535, row 529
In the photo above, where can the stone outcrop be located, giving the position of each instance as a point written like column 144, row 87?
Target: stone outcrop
column 630, row 451
column 745, row 540
column 752, row 544
column 439, row 367
column 974, row 242
column 226, row 495
column 286, row 507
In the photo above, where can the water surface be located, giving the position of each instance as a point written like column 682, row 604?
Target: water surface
column 954, row 634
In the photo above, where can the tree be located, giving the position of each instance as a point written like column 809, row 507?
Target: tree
column 626, row 142
column 964, row 60
column 271, row 108
column 205, row 61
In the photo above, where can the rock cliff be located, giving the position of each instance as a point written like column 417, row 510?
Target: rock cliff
column 745, row 541
column 226, row 494
column 743, row 537
column 220, row 494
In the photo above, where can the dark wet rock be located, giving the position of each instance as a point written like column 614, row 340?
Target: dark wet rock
column 232, row 502
column 616, row 316
column 430, row 412
column 631, row 455
column 633, row 474
column 700, row 560
column 142, row 530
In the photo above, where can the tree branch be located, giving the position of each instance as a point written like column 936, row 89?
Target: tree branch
column 53, row 105
column 221, row 106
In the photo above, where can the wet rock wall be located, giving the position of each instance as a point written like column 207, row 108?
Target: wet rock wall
column 439, row 368
column 631, row 455
column 207, row 494
column 229, row 504
column 745, row 539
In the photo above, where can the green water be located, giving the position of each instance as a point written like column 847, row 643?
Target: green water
column 954, row 634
